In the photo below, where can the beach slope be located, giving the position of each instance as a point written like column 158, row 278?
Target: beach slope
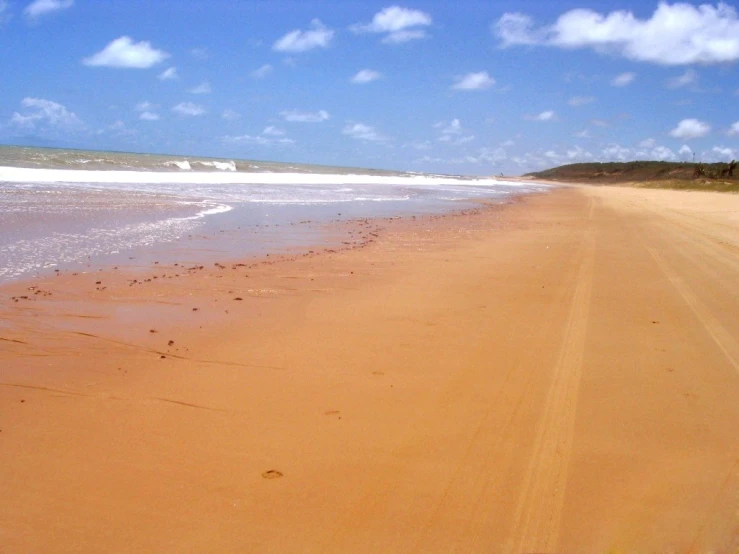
column 559, row 374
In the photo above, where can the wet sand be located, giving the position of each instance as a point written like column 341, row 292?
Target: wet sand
column 555, row 375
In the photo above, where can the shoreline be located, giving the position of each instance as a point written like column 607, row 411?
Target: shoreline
column 456, row 381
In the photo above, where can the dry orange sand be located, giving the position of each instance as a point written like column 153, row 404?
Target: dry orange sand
column 556, row 375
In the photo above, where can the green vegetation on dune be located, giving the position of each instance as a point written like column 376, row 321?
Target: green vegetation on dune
column 721, row 177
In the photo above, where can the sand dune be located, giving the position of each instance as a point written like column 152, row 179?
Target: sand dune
column 555, row 375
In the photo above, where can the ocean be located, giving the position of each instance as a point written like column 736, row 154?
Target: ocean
column 67, row 209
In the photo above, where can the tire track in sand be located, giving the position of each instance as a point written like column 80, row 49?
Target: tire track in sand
column 539, row 508
column 723, row 339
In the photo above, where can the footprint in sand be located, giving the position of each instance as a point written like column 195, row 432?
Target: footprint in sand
column 378, row 373
column 332, row 412
column 272, row 474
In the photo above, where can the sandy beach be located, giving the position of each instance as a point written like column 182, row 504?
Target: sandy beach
column 557, row 374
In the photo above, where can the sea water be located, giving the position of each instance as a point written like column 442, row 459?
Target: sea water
column 73, row 208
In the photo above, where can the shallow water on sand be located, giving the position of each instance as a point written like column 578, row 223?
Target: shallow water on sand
column 66, row 209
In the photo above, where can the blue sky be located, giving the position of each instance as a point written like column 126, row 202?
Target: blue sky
column 472, row 87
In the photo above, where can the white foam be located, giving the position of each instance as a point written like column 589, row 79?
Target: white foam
column 34, row 175
column 182, row 165
column 223, row 166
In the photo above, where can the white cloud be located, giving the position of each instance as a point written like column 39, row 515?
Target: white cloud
column 663, row 154
column 543, row 116
column 202, row 88
column 295, row 116
column 168, row 74
column 583, row 134
column 576, row 101
column 230, row 115
column 474, row 81
column 300, row 41
column 44, row 113
column 456, row 141
column 262, row 139
column 675, row 34
column 454, row 127
column 144, row 106
column 273, row 131
column 725, row 153
column 188, row 108
column 623, row 79
column 617, row 153
column 43, row 7
column 647, row 143
column 365, row 76
column 399, row 37
column 578, row 154
column 123, row 52
column 147, row 111
column 262, row 72
column 688, row 78
column 690, row 128
column 734, row 129
column 517, row 29
column 685, row 152
column 361, row 131
column 453, row 133
column 398, row 24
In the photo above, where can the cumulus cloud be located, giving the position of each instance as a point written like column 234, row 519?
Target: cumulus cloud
column 577, row 154
column 734, row 129
column 724, row 153
column 40, row 8
column 675, row 34
column 454, row 127
column 453, row 133
column 262, row 72
column 685, row 152
column 648, row 143
column 398, row 24
column 202, row 88
column 273, row 131
column 690, row 129
column 147, row 111
column 576, row 101
column 360, row 131
column 188, row 109
column 663, row 154
column 583, row 134
column 688, row 78
column 168, row 74
column 44, row 113
column 474, row 81
column 319, row 36
column 623, row 79
column 124, row 52
column 295, row 116
column 145, row 106
column 365, row 76
column 543, row 116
